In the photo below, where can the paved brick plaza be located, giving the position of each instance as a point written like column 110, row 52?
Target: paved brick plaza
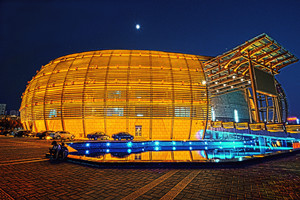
column 26, row 174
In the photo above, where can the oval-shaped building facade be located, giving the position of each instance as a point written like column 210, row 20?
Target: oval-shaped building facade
column 150, row 94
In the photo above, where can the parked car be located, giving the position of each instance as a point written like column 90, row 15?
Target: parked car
column 98, row 135
column 30, row 134
column 44, row 134
column 6, row 132
column 64, row 135
column 122, row 135
column 21, row 133
column 12, row 133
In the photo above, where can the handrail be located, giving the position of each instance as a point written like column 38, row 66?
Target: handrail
column 257, row 126
column 217, row 124
column 276, row 127
column 292, row 128
column 228, row 125
column 242, row 126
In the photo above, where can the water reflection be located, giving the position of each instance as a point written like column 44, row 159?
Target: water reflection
column 217, row 146
column 140, row 155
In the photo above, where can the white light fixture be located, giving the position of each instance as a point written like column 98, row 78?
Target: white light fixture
column 242, row 79
column 236, row 116
column 224, row 84
column 233, row 77
column 232, row 86
column 203, row 82
column 213, row 116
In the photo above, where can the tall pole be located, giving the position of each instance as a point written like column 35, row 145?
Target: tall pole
column 276, row 104
column 253, row 87
column 247, row 93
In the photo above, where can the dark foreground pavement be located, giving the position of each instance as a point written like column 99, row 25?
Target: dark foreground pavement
column 26, row 174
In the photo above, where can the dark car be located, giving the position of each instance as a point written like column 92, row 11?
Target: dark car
column 30, row 134
column 44, row 134
column 98, row 135
column 6, row 132
column 122, row 135
column 21, row 133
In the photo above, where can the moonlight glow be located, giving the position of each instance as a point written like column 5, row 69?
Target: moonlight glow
column 137, row 26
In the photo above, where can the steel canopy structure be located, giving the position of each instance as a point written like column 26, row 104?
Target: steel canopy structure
column 234, row 70
column 232, row 67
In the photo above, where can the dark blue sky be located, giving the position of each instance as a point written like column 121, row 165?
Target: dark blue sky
column 34, row 32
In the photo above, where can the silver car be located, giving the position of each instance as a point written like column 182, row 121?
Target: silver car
column 64, row 135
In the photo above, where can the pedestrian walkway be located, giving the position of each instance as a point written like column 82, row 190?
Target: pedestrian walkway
column 25, row 175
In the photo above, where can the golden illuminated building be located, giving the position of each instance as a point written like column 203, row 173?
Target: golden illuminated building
column 150, row 94
column 158, row 95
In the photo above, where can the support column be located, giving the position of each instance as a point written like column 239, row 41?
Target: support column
column 274, row 110
column 207, row 100
column 192, row 98
column 253, row 87
column 277, row 108
column 128, row 108
column 267, row 108
column 247, row 93
column 261, row 111
column 173, row 99
column 62, row 96
column 83, row 96
column 105, row 94
column 151, row 97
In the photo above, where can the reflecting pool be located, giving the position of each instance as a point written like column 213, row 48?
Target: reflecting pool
column 107, row 155
column 217, row 146
column 173, row 151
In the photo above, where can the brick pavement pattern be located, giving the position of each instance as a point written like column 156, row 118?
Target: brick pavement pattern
column 26, row 174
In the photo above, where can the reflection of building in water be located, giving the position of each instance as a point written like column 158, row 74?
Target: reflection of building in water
column 157, row 95
column 156, row 156
column 176, row 156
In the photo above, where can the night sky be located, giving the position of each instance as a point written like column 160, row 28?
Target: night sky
column 34, row 32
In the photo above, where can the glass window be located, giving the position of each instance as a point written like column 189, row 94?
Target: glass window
column 52, row 113
column 115, row 111
column 114, row 94
column 182, row 112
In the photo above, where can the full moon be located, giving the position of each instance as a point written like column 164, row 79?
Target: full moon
column 137, row 26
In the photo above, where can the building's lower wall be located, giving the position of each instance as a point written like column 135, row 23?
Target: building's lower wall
column 153, row 129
